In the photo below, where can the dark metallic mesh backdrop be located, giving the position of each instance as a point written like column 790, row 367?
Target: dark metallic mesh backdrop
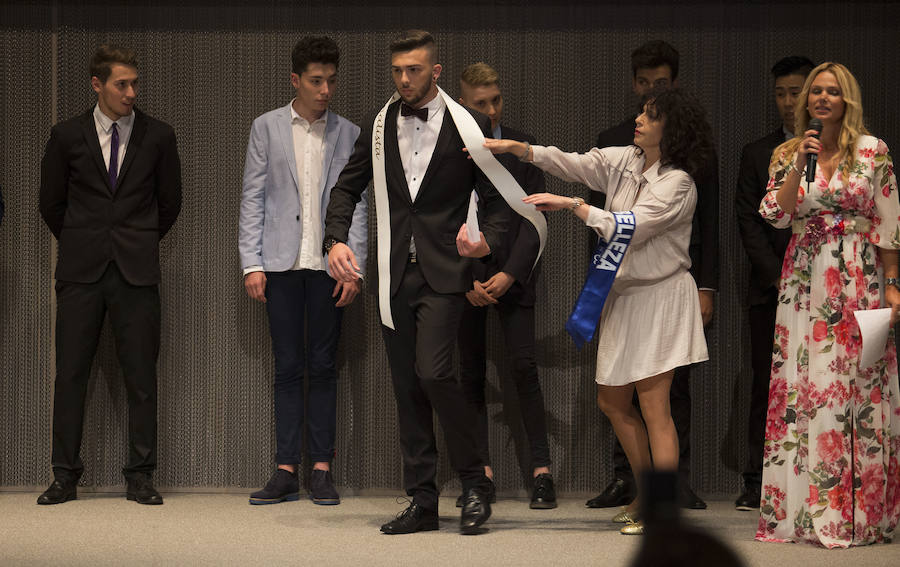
column 209, row 68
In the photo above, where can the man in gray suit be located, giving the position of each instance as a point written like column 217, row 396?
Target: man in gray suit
column 294, row 157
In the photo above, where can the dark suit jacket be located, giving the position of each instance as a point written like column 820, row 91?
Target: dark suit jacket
column 764, row 244
column 93, row 224
column 704, row 248
column 437, row 213
column 519, row 249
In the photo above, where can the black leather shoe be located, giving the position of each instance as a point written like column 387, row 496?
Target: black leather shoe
column 476, row 509
column 748, row 501
column 492, row 496
column 321, row 488
column 413, row 519
column 283, row 486
column 618, row 493
column 62, row 490
column 140, row 489
column 543, row 497
column 687, row 498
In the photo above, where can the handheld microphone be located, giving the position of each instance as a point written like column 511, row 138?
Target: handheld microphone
column 812, row 159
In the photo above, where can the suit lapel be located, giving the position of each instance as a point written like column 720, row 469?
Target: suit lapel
column 440, row 147
column 393, row 163
column 332, row 133
column 89, row 131
column 287, row 141
column 138, row 130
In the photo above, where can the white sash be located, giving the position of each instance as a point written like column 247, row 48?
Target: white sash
column 473, row 138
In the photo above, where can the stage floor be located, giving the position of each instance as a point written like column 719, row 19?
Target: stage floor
column 223, row 529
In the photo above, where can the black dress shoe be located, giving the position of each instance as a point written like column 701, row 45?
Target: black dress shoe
column 476, row 509
column 543, row 497
column 687, row 498
column 413, row 519
column 321, row 488
column 492, row 495
column 60, row 491
column 618, row 493
column 140, row 489
column 748, row 501
column 283, row 486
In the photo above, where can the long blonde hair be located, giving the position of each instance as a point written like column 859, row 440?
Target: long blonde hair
column 852, row 126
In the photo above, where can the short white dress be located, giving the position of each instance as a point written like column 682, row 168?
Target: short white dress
column 651, row 322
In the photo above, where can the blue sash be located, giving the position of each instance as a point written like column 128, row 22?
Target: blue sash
column 605, row 263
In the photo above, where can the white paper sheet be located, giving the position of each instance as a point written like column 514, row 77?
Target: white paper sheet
column 472, row 230
column 874, row 325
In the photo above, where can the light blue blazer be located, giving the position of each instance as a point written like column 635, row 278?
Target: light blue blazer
column 269, row 231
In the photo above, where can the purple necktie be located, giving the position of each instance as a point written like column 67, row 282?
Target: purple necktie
column 114, row 157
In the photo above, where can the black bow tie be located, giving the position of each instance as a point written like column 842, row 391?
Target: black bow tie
column 420, row 113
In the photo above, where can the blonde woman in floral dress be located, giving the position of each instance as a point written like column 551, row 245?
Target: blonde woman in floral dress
column 831, row 473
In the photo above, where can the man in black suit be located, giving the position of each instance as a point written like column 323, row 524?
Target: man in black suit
column 506, row 279
column 655, row 65
column 110, row 190
column 765, row 246
column 426, row 187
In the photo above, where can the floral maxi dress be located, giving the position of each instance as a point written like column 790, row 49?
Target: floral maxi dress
column 830, row 473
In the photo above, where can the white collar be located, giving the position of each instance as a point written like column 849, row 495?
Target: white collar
column 106, row 122
column 295, row 115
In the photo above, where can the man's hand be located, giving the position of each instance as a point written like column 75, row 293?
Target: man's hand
column 347, row 292
column 499, row 284
column 707, row 305
column 342, row 263
column 466, row 247
column 255, row 284
column 478, row 297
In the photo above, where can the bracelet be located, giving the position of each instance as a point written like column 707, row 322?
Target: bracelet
column 794, row 167
column 892, row 281
column 524, row 157
column 576, row 202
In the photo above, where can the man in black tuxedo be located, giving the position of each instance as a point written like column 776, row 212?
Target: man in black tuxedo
column 506, row 279
column 110, row 190
column 655, row 65
column 765, row 246
column 428, row 180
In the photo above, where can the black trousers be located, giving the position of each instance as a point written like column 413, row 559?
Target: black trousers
column 134, row 314
column 762, row 335
column 517, row 322
column 680, row 400
column 420, row 352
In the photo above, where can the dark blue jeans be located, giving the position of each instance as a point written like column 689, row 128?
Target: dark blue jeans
column 305, row 327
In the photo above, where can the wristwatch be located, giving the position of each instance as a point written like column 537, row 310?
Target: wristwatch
column 892, row 281
column 576, row 202
column 329, row 244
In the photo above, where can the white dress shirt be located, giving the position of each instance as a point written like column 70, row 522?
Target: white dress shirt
column 309, row 145
column 416, row 141
column 104, row 123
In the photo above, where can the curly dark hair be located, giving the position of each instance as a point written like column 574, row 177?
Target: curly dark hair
column 687, row 137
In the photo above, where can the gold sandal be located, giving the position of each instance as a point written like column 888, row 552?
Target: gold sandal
column 625, row 517
column 633, row 528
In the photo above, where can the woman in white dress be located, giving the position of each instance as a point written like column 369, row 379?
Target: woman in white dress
column 651, row 322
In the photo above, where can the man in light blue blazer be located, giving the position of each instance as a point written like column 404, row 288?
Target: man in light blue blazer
column 294, row 157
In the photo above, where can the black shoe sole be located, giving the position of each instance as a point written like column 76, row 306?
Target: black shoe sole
column 614, row 504
column 51, row 503
column 423, row 528
column 286, row 498
column 542, row 505
column 134, row 498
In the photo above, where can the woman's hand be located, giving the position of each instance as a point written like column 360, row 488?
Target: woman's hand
column 548, row 201
column 892, row 298
column 810, row 145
